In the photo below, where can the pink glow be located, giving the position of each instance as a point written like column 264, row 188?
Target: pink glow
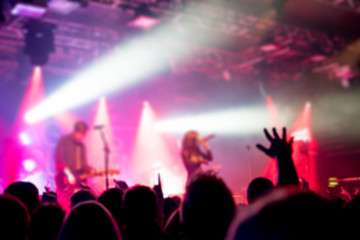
column 95, row 146
column 273, row 113
column 13, row 156
column 144, row 22
column 62, row 7
column 303, row 148
column 29, row 164
column 24, row 138
column 302, row 135
column 33, row 94
column 271, row 171
column 66, row 120
column 28, row 10
column 152, row 155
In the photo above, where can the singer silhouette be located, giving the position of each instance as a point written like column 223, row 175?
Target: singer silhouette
column 192, row 155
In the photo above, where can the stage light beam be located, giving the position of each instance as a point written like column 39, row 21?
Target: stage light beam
column 232, row 122
column 20, row 130
column 94, row 141
column 152, row 156
column 124, row 66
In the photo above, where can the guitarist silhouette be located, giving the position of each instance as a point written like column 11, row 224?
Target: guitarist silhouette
column 71, row 160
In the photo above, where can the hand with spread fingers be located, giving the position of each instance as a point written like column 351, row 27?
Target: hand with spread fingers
column 281, row 149
column 279, row 146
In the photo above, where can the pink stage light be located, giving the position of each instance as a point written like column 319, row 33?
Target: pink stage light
column 24, row 138
column 303, row 148
column 152, row 155
column 273, row 113
column 271, row 171
column 144, row 22
column 28, row 10
column 96, row 153
column 301, row 131
column 32, row 96
column 29, row 164
column 63, row 7
column 302, row 135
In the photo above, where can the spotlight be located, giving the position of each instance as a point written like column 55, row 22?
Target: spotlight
column 144, row 22
column 39, row 41
column 144, row 18
column 29, row 164
column 24, row 138
column 66, row 6
column 28, row 8
column 234, row 121
column 302, row 135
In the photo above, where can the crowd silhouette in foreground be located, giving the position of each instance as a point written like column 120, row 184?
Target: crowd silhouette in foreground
column 207, row 210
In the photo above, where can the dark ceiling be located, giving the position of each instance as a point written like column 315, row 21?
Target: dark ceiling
column 283, row 40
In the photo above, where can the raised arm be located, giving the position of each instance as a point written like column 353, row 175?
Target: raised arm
column 207, row 155
column 281, row 150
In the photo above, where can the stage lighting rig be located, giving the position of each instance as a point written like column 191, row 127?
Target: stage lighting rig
column 39, row 41
column 144, row 18
column 66, row 6
column 28, row 8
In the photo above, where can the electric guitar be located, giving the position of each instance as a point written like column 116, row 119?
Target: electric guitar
column 64, row 184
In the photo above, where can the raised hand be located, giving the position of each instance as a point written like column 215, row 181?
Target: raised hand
column 121, row 184
column 49, row 196
column 278, row 146
column 281, row 149
column 158, row 188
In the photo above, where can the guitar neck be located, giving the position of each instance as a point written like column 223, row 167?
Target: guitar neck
column 99, row 173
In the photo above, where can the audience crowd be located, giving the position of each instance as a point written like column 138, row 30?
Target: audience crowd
column 206, row 211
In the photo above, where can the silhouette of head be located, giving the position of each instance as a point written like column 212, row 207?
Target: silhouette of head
column 291, row 216
column 25, row 192
column 112, row 199
column 258, row 187
column 81, row 196
column 351, row 217
column 46, row 222
column 140, row 206
column 208, row 208
column 190, row 140
column 80, row 130
column 14, row 218
column 89, row 220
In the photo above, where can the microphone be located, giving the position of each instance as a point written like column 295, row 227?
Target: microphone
column 99, row 127
column 207, row 138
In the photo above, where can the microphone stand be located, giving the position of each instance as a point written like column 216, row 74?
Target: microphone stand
column 106, row 156
column 249, row 162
